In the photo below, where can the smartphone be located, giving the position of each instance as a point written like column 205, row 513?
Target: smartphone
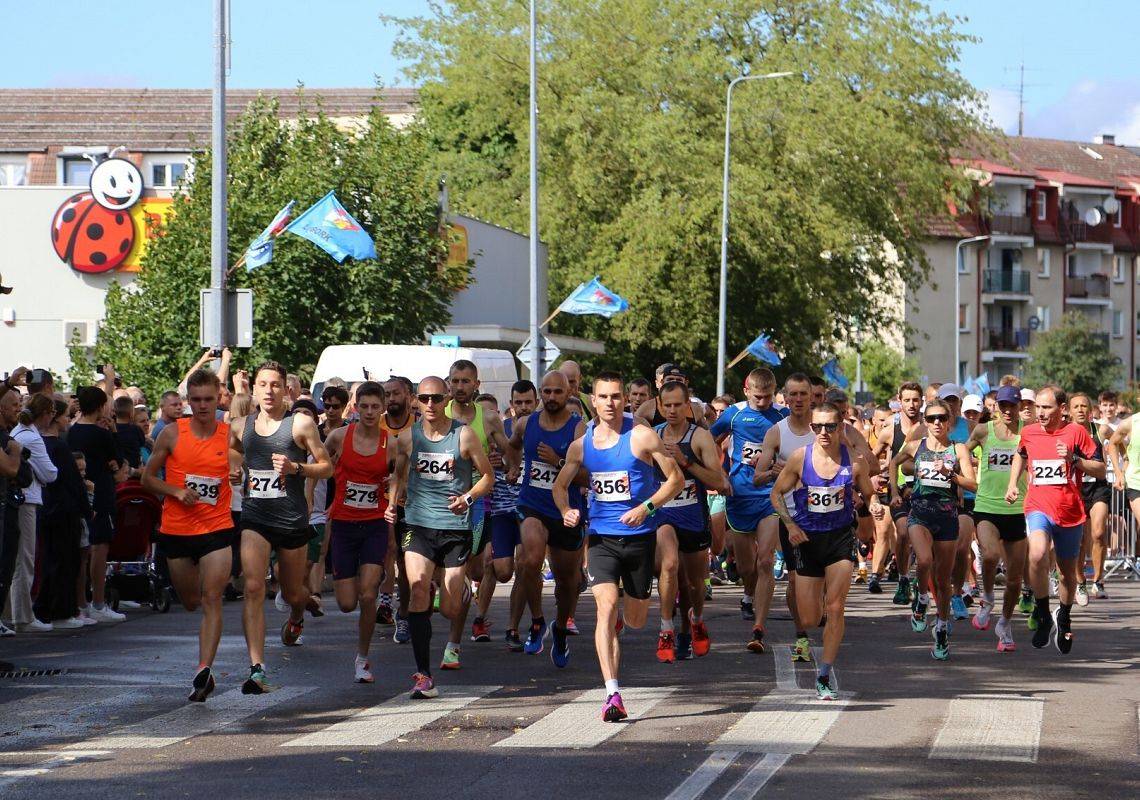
column 39, row 376
column 215, row 353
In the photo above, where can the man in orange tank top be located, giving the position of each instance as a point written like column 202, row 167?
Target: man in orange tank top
column 359, row 532
column 197, row 527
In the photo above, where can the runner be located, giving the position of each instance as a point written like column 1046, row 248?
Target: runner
column 192, row 455
column 398, row 417
column 1056, row 455
column 940, row 468
column 1001, row 526
column 640, row 392
column 359, row 537
column 434, row 467
column 683, row 534
column 821, row 531
column 274, row 514
column 652, row 410
column 1097, row 496
column 907, row 426
column 748, row 507
column 960, row 430
column 543, row 440
column 619, row 457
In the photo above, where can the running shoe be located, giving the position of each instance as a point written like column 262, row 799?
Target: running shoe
column 203, row 685
column 1031, row 623
column 892, row 571
column 450, row 658
column 423, row 687
column 571, row 628
column 559, row 649
column 385, row 615
column 1043, row 633
column 708, row 588
column 313, row 606
column 105, row 614
column 291, row 633
column 1054, row 583
column 548, row 575
column 874, row 586
column 1098, row 590
column 666, row 647
column 861, row 575
column 1025, row 604
column 534, row 639
column 981, row 618
column 1062, row 635
column 480, row 630
column 778, row 570
column 402, row 634
column 746, row 612
column 514, row 643
column 279, row 602
column 614, row 709
column 257, row 682
column 71, row 623
column 1004, row 631
column 918, row 615
column 823, row 688
column 363, row 671
column 684, row 647
column 941, row 649
column 756, row 643
column 958, row 607
column 1082, row 594
column 700, row 637
column 801, row 650
column 902, row 593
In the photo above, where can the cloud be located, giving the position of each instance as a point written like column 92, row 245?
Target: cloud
column 1090, row 108
column 1000, row 105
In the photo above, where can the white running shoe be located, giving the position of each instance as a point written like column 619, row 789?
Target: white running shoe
column 981, row 620
column 5, row 631
column 363, row 670
column 1082, row 594
column 1004, row 636
column 279, row 602
column 67, row 624
column 105, row 614
column 130, row 605
column 85, row 617
column 35, row 626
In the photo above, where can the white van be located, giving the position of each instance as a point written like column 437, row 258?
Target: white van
column 355, row 362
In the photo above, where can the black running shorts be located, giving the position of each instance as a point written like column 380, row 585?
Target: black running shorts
column 279, row 538
column 1010, row 527
column 194, row 547
column 821, row 550
column 443, row 547
column 558, row 535
column 626, row 561
column 689, row 541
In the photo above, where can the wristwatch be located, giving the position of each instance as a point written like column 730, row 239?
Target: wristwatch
column 649, row 507
column 468, row 500
column 300, row 468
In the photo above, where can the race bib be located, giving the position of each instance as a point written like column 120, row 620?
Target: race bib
column 435, row 466
column 542, row 475
column 749, row 451
column 362, row 495
column 686, row 497
column 1049, row 473
column 206, row 488
column 1000, row 460
column 265, row 484
column 929, row 476
column 611, row 487
column 824, row 499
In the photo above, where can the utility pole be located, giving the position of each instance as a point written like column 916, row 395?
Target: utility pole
column 219, row 246
column 536, row 346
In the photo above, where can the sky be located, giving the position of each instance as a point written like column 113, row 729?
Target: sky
column 1082, row 64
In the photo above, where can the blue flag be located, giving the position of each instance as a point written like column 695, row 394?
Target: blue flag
column 593, row 298
column 260, row 251
column 834, row 374
column 327, row 225
column 983, row 384
column 764, row 350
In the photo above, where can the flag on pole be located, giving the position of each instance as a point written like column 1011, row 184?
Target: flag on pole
column 260, row 251
column 763, row 349
column 327, row 225
column 593, row 298
column 834, row 374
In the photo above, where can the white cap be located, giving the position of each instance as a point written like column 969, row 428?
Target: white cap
column 1028, row 394
column 971, row 402
column 949, row 390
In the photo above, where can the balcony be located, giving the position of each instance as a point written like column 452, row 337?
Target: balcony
column 1009, row 340
column 1010, row 281
column 1074, row 229
column 1093, row 287
column 1011, row 225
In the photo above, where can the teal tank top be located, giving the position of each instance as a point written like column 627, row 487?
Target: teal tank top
column 437, row 472
column 929, row 483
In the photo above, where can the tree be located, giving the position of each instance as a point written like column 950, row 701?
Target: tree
column 303, row 300
column 828, row 166
column 884, row 369
column 1075, row 356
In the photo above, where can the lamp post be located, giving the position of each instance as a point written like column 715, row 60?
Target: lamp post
column 957, row 300
column 721, row 354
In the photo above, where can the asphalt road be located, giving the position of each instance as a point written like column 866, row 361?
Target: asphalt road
column 732, row 725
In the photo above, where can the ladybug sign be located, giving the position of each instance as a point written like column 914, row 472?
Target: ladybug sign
column 92, row 231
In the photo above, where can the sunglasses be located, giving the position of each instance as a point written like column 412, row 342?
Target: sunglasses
column 819, row 427
column 434, row 399
column 334, row 406
column 937, row 417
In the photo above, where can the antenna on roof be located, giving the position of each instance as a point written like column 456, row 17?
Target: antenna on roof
column 1021, row 84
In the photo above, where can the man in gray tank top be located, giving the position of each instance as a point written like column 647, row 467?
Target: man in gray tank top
column 434, row 467
column 273, row 446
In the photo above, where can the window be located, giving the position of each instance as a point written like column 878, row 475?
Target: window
column 13, row 171
column 167, row 175
column 963, row 261
column 964, row 318
column 1118, row 324
column 1041, row 205
column 76, row 171
column 1118, row 217
column 1119, row 268
column 1042, row 263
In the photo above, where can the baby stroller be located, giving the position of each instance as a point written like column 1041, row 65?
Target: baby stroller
column 131, row 570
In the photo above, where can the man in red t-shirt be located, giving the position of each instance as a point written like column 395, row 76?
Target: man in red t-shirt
column 1057, row 454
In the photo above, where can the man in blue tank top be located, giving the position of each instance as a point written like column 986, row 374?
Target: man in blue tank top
column 749, row 507
column 619, row 456
column 543, row 440
column 822, row 529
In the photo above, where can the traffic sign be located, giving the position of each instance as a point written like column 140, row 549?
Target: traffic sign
column 548, row 352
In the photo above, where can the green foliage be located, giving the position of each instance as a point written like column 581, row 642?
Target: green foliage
column 884, row 368
column 303, row 300
column 1073, row 355
column 851, row 152
column 81, row 369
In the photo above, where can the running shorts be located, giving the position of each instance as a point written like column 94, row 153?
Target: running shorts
column 940, row 517
column 194, row 547
column 315, row 541
column 1066, row 541
column 505, row 535
column 102, row 528
column 787, row 549
column 744, row 513
column 966, row 507
column 1010, row 527
column 443, row 547
column 1096, row 492
column 821, row 550
column 279, row 538
column 903, row 510
column 1131, row 494
column 557, row 534
column 626, row 561
column 690, row 541
column 355, row 543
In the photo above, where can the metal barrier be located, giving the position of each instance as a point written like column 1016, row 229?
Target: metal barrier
column 1122, row 553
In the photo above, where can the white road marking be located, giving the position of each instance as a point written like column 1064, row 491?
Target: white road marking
column 579, row 724
column 192, row 719
column 753, row 781
column 785, row 668
column 990, row 728
column 8, row 777
column 389, row 720
column 704, row 776
column 783, row 722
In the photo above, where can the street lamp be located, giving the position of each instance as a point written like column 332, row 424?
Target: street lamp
column 721, row 354
column 957, row 300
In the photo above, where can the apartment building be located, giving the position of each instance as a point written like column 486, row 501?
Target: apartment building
column 1058, row 231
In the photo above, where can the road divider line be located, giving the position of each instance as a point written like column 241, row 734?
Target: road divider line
column 990, row 728
column 761, row 772
column 578, row 724
column 787, row 723
column 704, row 776
column 392, row 719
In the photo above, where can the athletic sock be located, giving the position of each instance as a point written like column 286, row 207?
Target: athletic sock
column 419, row 625
column 454, row 646
column 611, row 686
column 940, row 624
column 824, row 670
column 667, row 625
column 1063, row 612
column 540, row 621
column 988, row 597
column 1041, row 608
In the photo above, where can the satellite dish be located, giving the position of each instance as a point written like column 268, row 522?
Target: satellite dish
column 1093, row 217
column 1111, row 205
